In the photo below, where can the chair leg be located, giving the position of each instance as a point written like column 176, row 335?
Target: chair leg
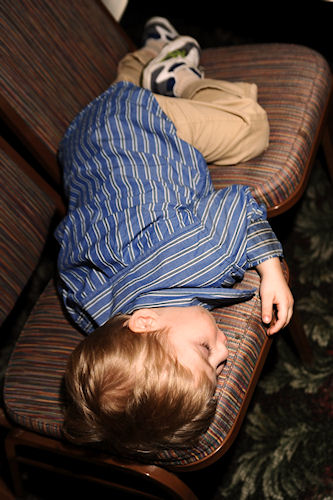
column 300, row 339
column 327, row 141
column 5, row 494
column 14, row 466
column 328, row 151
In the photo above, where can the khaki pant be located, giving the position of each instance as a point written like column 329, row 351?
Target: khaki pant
column 221, row 119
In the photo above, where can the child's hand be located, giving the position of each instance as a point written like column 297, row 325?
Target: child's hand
column 276, row 298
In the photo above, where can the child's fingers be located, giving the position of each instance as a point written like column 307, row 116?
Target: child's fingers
column 276, row 305
column 283, row 316
column 275, row 323
column 266, row 310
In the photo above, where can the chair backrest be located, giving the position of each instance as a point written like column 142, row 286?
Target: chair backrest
column 47, row 79
column 25, row 216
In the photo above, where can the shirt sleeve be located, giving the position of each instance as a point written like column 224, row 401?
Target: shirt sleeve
column 238, row 231
column 262, row 243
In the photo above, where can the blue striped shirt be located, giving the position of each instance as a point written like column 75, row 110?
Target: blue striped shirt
column 145, row 227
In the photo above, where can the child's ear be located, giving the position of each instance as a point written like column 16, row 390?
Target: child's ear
column 143, row 321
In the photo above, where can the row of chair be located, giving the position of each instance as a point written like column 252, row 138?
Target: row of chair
column 56, row 57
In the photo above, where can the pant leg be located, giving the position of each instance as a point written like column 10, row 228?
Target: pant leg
column 221, row 119
column 130, row 67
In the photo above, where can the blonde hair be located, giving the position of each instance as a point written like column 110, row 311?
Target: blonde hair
column 129, row 392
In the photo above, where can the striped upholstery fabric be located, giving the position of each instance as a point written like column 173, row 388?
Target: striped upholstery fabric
column 294, row 85
column 56, row 57
column 25, row 214
column 33, row 387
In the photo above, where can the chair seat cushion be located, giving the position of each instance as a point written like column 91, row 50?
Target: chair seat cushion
column 34, row 381
column 294, row 84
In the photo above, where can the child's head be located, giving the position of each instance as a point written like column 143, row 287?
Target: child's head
column 145, row 381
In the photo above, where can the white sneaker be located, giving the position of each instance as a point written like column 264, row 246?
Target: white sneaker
column 159, row 29
column 160, row 74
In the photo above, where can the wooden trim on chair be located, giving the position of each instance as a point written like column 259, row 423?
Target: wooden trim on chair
column 155, row 475
column 327, row 141
column 320, row 136
column 34, row 176
column 44, row 156
column 5, row 493
column 4, row 422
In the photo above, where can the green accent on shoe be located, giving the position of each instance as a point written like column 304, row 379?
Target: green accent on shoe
column 175, row 53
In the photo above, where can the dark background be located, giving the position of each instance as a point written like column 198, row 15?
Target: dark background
column 225, row 23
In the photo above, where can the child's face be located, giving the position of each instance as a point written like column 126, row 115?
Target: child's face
column 198, row 342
